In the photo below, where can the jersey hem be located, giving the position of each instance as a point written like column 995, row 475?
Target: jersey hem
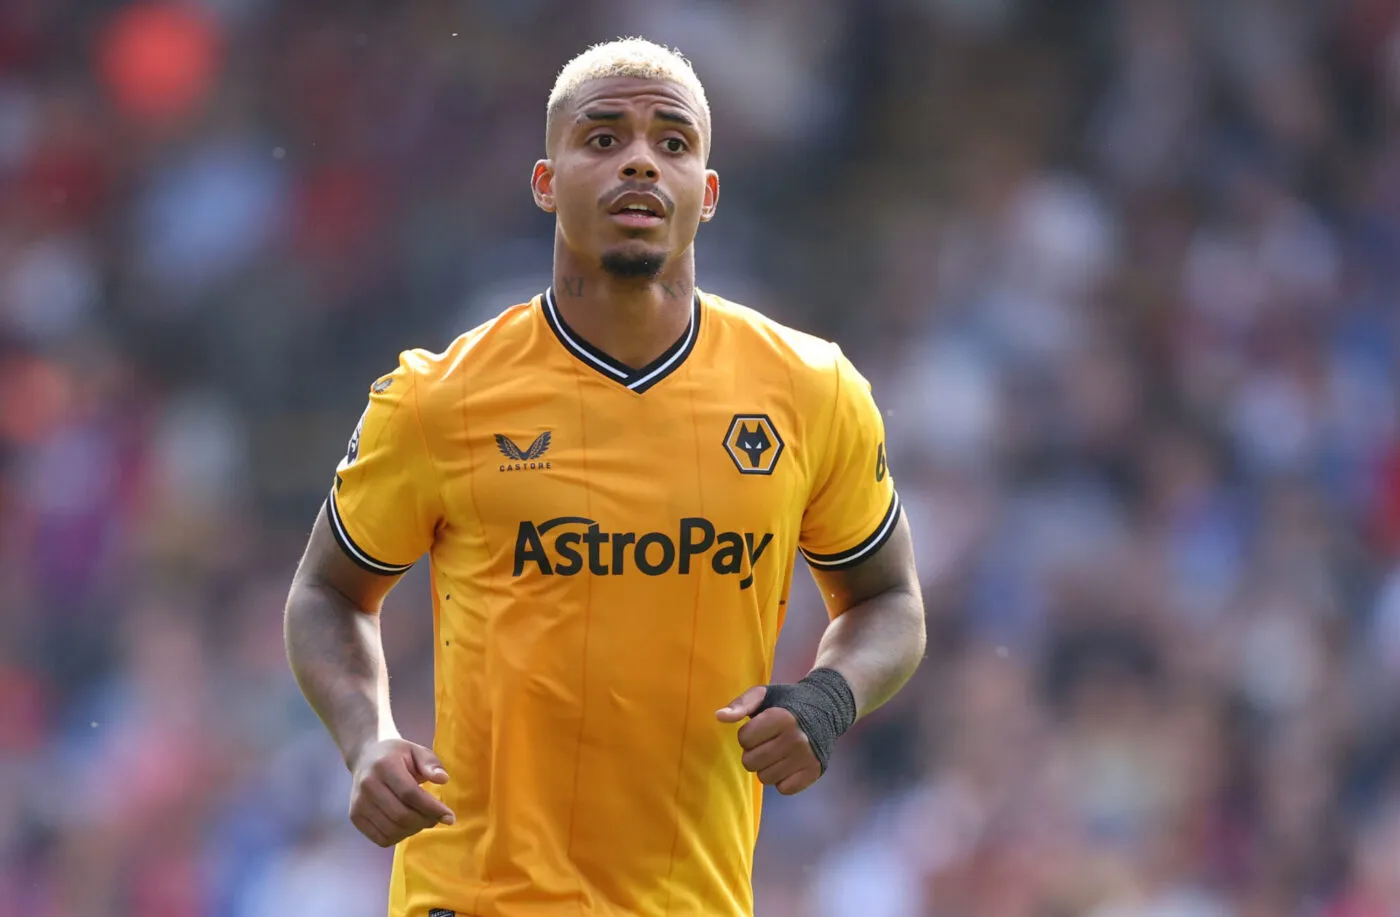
column 872, row 543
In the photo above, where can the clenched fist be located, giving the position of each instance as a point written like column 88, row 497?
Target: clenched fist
column 775, row 747
column 792, row 728
column 387, row 802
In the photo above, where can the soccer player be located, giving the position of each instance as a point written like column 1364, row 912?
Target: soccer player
column 611, row 482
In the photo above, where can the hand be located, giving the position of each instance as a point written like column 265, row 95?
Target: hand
column 387, row 804
column 775, row 747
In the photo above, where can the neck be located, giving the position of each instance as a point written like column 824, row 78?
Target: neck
column 631, row 320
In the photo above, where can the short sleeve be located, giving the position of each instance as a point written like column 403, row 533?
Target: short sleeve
column 385, row 505
column 853, row 507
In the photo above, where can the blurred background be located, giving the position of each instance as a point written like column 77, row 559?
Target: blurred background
column 1123, row 275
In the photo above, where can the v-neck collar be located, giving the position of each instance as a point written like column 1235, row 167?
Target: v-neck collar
column 635, row 380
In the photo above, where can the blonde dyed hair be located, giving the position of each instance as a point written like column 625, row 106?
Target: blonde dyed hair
column 626, row 57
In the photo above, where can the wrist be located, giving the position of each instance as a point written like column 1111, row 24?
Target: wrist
column 823, row 705
column 840, row 698
column 354, row 754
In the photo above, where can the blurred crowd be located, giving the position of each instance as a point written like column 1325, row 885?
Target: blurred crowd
column 1123, row 275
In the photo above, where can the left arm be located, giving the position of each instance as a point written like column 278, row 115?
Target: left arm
column 856, row 541
column 876, row 637
column 872, row 646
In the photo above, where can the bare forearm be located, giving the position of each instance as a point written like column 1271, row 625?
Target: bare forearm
column 337, row 657
column 877, row 645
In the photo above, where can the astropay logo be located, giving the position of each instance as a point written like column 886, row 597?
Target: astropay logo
column 570, row 545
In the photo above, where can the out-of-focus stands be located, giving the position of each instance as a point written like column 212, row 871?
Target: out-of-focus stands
column 1123, row 276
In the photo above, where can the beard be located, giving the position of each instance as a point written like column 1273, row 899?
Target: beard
column 634, row 265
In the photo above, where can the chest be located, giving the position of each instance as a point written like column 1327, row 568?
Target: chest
column 701, row 449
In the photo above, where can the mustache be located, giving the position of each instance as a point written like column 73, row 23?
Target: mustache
column 639, row 187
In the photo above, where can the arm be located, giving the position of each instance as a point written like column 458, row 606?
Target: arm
column 872, row 646
column 332, row 633
column 876, row 637
column 331, row 629
column 856, row 541
column 379, row 518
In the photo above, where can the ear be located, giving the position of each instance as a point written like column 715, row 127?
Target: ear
column 542, row 185
column 711, row 201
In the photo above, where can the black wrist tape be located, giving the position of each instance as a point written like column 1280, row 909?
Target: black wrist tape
column 823, row 705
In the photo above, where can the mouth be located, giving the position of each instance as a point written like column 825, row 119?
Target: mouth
column 638, row 210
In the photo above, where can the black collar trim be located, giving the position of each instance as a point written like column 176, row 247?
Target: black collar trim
column 637, row 380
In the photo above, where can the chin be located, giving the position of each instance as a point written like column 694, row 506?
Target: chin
column 634, row 262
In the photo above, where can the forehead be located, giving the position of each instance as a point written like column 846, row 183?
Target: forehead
column 631, row 91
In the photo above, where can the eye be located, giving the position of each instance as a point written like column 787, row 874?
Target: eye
column 603, row 141
column 674, row 145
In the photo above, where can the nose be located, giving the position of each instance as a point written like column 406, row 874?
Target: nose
column 638, row 164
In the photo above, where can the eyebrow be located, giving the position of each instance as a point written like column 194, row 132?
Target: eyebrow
column 674, row 117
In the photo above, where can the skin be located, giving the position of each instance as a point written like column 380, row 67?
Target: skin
column 620, row 134
column 616, row 135
column 331, row 628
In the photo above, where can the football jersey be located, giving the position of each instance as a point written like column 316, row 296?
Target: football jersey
column 611, row 551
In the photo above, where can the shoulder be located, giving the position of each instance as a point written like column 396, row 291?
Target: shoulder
column 804, row 356
column 819, row 374
column 439, row 377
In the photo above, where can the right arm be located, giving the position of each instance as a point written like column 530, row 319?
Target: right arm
column 379, row 518
column 332, row 633
column 333, row 644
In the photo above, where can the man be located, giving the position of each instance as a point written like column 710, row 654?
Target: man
column 612, row 482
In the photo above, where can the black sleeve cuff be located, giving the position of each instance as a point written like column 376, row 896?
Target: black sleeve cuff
column 354, row 551
column 872, row 543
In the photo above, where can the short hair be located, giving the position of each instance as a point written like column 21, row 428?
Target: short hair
column 627, row 57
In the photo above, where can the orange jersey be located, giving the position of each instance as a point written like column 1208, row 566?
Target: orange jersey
column 611, row 553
